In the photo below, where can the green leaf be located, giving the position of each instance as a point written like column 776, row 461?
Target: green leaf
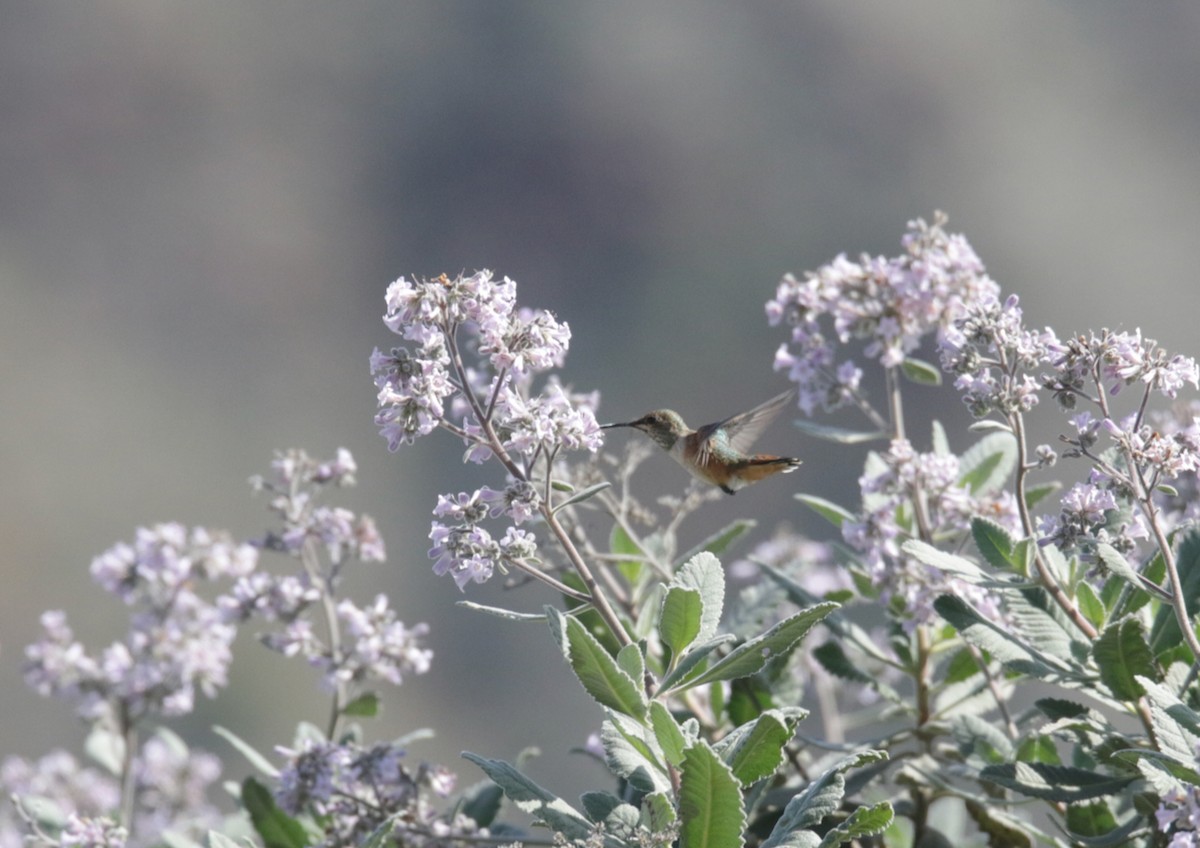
column 1059, row 784
column 995, row 544
column 920, row 372
column 679, row 620
column 985, row 467
column 500, row 612
column 532, row 799
column 630, row 754
column 620, row 544
column 590, row 491
column 365, row 705
column 174, row 839
column 259, row 761
column 481, row 802
column 658, row 812
column 666, row 731
column 946, row 562
column 980, row 738
column 1165, row 633
column 703, row 573
column 749, row 697
column 1176, row 726
column 595, row 667
column 1002, row 829
column 710, row 801
column 1038, row 748
column 720, row 541
column 690, row 665
column 938, row 441
column 820, row 798
column 599, row 805
column 758, row 749
column 1036, row 494
column 1115, row 562
column 864, row 821
column 216, row 839
column 631, row 661
column 1121, row 653
column 997, row 641
column 273, row 825
column 962, row 666
column 381, row 835
column 1157, row 765
column 1093, row 826
column 752, row 655
column 1060, row 708
column 839, row 435
column 1090, row 604
column 988, row 425
column 106, row 748
column 833, row 659
column 831, row 512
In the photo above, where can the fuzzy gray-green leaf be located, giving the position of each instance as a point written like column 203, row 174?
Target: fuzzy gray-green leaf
column 751, row 656
column 533, row 799
column 710, row 802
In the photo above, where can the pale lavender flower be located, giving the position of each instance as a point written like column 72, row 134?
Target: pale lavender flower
column 177, row 640
column 84, row 832
column 886, row 523
column 309, row 777
column 351, row 791
column 1178, row 814
column 58, row 780
column 1117, row 360
column 172, row 785
column 890, row 304
column 990, row 350
column 377, row 645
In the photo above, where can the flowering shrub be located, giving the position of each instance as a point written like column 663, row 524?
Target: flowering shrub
column 997, row 658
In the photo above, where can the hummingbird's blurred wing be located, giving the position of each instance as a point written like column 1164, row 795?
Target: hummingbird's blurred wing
column 738, row 432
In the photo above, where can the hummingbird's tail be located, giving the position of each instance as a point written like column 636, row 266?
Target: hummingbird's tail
column 758, row 467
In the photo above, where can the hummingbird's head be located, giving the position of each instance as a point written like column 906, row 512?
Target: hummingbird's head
column 664, row 426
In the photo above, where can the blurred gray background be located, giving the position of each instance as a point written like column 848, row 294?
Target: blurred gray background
column 201, row 205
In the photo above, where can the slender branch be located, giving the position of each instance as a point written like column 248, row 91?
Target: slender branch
column 1045, row 576
column 595, row 595
column 129, row 737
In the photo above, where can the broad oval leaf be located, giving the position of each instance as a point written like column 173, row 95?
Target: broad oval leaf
column 595, row 667
column 680, row 618
column 710, row 801
column 703, row 573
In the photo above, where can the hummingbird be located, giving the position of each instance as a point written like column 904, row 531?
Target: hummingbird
column 717, row 453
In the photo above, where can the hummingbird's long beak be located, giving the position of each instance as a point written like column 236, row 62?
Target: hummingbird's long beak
column 610, row 426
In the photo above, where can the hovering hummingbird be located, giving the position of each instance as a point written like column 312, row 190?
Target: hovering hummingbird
column 717, row 453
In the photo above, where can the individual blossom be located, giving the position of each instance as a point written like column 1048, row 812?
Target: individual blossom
column 891, row 304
